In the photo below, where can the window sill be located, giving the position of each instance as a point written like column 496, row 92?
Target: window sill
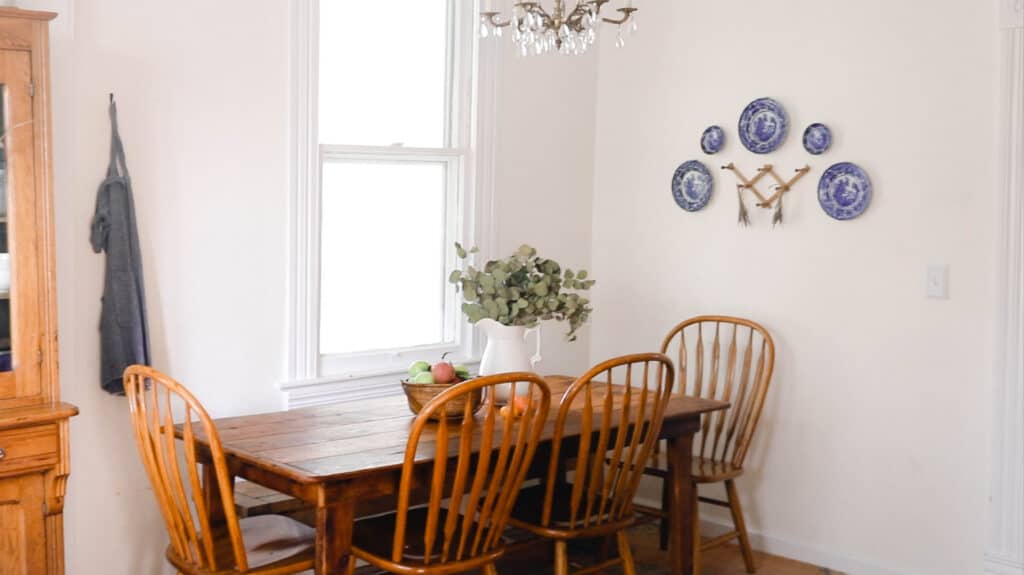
column 354, row 386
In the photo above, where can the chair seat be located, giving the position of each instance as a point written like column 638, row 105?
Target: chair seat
column 702, row 469
column 271, row 542
column 528, row 510
column 374, row 536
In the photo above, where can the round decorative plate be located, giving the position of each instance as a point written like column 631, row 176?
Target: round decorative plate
column 692, row 186
column 763, row 126
column 817, row 139
column 844, row 191
column 713, row 140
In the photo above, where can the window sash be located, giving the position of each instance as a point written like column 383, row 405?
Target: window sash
column 455, row 339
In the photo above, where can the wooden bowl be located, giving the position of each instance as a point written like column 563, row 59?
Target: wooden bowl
column 420, row 394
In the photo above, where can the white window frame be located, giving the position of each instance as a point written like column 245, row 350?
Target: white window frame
column 469, row 159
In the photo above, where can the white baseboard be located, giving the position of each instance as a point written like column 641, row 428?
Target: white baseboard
column 996, row 565
column 798, row 551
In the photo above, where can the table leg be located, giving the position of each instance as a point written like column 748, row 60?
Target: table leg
column 684, row 503
column 334, row 523
column 212, row 496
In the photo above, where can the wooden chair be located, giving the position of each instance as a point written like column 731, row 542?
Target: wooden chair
column 492, row 454
column 206, row 535
column 616, row 408
column 729, row 359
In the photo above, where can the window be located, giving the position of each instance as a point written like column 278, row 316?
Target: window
column 390, row 183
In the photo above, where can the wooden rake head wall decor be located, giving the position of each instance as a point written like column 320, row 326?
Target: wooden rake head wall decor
column 767, row 202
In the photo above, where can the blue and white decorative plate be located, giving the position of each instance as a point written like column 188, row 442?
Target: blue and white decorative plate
column 844, row 191
column 817, row 139
column 692, row 186
column 763, row 126
column 713, row 140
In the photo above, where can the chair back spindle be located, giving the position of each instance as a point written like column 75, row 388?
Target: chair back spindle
column 736, row 366
column 174, row 472
column 492, row 452
column 619, row 406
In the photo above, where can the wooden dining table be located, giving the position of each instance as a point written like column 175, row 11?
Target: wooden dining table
column 338, row 458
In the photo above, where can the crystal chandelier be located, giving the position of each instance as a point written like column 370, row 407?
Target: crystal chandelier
column 537, row 31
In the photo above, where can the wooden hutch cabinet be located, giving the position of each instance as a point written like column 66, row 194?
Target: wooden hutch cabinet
column 34, row 448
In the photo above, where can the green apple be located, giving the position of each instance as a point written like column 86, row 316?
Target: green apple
column 423, row 377
column 418, row 367
column 462, row 371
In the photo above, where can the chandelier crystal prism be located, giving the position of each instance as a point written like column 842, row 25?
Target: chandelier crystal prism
column 537, row 31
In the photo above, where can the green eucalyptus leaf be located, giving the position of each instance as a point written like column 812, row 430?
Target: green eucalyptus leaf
column 491, row 307
column 473, row 312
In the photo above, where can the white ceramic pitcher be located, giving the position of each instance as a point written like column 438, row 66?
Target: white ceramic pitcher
column 506, row 351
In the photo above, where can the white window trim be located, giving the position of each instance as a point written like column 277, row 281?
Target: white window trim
column 306, row 382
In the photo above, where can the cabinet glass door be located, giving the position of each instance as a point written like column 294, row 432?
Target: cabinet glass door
column 22, row 271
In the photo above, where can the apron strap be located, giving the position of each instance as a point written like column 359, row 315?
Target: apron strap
column 118, row 165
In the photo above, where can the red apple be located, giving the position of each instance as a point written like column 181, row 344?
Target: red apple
column 443, row 372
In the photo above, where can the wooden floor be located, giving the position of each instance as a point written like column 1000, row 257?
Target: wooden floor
column 253, row 499
column 724, row 560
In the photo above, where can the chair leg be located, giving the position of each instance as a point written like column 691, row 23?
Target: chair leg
column 696, row 534
column 666, row 502
column 561, row 558
column 350, row 568
column 741, row 526
column 626, row 553
column 490, row 569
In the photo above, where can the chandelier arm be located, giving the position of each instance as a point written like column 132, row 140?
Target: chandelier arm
column 575, row 18
column 627, row 13
column 537, row 10
column 493, row 20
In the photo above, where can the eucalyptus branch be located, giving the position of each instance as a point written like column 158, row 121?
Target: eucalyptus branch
column 523, row 290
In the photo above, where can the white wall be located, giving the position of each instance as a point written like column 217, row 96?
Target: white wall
column 202, row 89
column 874, row 448
column 544, row 167
column 203, row 94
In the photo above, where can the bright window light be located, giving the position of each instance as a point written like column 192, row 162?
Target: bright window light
column 382, row 255
column 384, row 72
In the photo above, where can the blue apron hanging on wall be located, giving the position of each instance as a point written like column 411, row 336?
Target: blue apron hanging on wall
column 124, row 331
